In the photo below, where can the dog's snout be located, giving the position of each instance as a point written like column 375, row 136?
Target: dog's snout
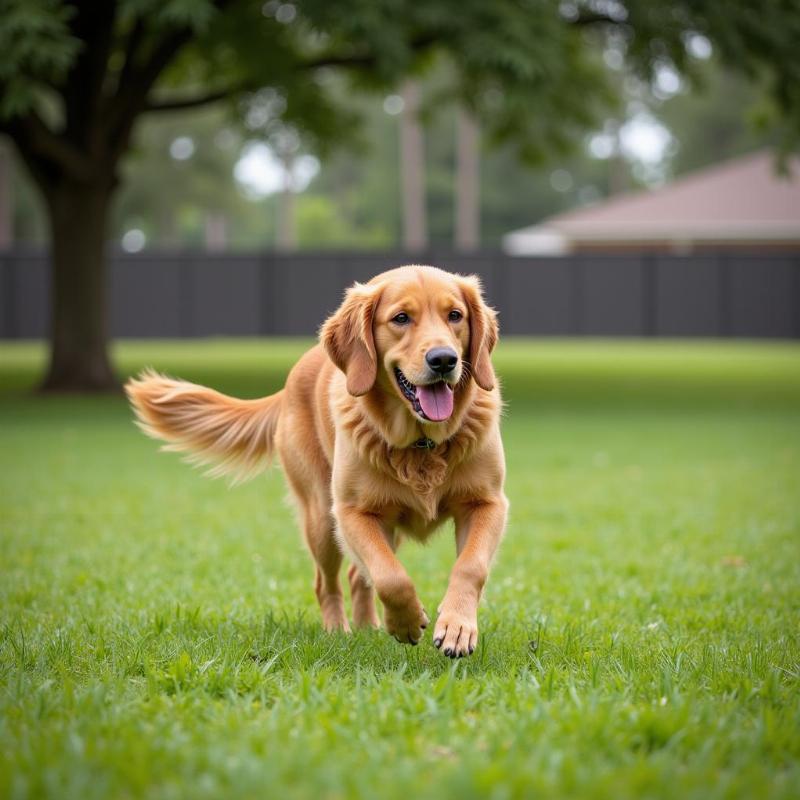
column 442, row 359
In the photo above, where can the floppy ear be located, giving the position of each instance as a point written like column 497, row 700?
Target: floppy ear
column 348, row 339
column 482, row 332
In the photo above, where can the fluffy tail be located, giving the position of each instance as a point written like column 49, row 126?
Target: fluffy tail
column 235, row 437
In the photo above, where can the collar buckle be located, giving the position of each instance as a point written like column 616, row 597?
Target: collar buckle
column 424, row 444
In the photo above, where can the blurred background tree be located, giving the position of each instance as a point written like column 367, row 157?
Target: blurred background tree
column 178, row 187
column 353, row 199
column 76, row 78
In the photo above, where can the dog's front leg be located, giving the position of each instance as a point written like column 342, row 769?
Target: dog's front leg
column 479, row 528
column 364, row 536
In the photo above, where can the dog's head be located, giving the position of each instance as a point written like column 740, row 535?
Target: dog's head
column 416, row 331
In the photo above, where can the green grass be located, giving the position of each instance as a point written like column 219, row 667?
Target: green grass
column 639, row 634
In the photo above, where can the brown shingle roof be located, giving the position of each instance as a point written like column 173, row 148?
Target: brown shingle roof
column 738, row 200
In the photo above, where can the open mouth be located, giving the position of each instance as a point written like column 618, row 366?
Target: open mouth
column 433, row 401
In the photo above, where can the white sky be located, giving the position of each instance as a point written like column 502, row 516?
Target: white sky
column 260, row 172
column 645, row 139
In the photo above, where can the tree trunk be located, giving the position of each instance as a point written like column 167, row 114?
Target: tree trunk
column 412, row 171
column 79, row 360
column 468, row 215
column 286, row 235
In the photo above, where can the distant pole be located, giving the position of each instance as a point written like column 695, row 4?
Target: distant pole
column 216, row 230
column 617, row 175
column 6, row 199
column 468, row 216
column 617, row 168
column 412, row 171
column 286, row 239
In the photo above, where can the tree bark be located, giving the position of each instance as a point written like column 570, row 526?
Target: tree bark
column 468, row 215
column 286, row 235
column 412, row 171
column 75, row 168
column 78, row 213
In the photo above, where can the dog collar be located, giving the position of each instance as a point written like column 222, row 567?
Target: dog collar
column 424, row 444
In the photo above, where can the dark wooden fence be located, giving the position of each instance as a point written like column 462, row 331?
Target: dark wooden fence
column 159, row 294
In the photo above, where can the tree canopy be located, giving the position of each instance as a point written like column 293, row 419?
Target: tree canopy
column 76, row 76
column 524, row 67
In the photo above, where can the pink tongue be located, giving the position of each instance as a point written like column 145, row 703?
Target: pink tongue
column 436, row 401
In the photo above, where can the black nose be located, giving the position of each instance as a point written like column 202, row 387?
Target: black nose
column 442, row 359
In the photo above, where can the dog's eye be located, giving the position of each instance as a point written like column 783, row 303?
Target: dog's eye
column 402, row 318
column 455, row 315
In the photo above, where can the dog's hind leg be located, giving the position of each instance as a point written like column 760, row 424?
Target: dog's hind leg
column 318, row 531
column 365, row 615
column 309, row 476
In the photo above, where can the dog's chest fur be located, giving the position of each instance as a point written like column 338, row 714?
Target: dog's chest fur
column 422, row 476
column 414, row 487
column 418, row 485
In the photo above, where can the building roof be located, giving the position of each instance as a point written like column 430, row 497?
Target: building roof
column 743, row 200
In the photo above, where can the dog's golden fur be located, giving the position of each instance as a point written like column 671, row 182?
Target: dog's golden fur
column 345, row 434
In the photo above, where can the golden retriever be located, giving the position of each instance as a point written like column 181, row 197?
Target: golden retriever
column 387, row 428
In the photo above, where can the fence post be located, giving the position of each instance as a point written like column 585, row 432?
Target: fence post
column 266, row 296
column 577, row 291
column 724, row 283
column 649, row 299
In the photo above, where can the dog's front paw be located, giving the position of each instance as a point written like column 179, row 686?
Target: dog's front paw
column 405, row 620
column 456, row 633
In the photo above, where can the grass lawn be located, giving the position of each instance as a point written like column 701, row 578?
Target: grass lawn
column 159, row 634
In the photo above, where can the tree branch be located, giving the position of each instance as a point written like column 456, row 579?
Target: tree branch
column 131, row 96
column 162, row 54
column 139, row 81
column 36, row 140
column 131, row 52
column 356, row 60
column 587, row 18
column 180, row 103
column 365, row 59
column 337, row 60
